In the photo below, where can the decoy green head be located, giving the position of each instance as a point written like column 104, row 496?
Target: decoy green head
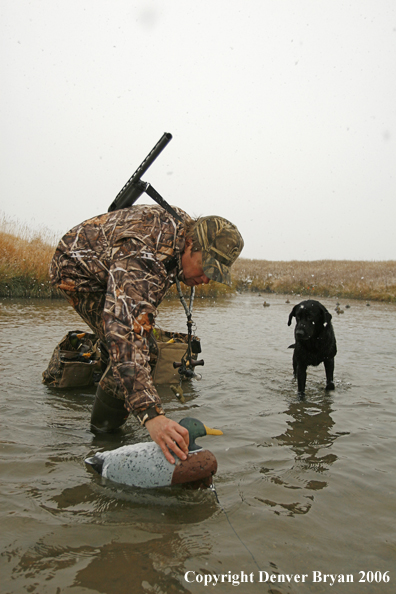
column 197, row 429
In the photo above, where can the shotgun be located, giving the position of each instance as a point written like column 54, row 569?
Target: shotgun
column 135, row 186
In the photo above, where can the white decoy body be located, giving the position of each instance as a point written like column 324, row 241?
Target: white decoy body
column 144, row 464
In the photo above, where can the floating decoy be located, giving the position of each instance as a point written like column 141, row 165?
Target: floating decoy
column 144, row 464
column 265, row 304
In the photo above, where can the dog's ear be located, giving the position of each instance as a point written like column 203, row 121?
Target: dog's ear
column 292, row 314
column 326, row 315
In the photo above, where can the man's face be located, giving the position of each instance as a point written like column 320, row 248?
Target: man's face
column 193, row 273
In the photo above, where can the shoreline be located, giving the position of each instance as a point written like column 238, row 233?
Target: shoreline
column 29, row 285
column 24, row 264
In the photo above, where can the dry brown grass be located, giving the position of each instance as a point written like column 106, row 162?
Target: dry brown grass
column 328, row 278
column 211, row 290
column 25, row 257
column 24, row 261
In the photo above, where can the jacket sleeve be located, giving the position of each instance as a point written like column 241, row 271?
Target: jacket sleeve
column 136, row 285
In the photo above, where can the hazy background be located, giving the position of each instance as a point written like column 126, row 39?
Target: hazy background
column 283, row 115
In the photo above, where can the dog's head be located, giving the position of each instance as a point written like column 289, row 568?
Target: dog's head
column 311, row 319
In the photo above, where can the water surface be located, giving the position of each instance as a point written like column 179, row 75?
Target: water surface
column 304, row 485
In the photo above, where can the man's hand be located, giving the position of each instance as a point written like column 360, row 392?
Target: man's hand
column 168, row 434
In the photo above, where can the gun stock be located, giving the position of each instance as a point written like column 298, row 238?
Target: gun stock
column 134, row 187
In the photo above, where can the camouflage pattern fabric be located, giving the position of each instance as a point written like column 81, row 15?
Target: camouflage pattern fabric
column 90, row 308
column 221, row 245
column 115, row 269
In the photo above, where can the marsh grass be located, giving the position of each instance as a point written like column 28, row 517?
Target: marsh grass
column 327, row 278
column 25, row 257
column 24, row 261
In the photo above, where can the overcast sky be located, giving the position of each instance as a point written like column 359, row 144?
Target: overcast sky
column 283, row 116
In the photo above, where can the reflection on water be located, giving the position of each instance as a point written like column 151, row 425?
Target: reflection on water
column 309, row 436
column 119, row 566
column 146, row 564
column 295, row 477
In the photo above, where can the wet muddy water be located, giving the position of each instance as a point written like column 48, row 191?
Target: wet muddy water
column 305, row 487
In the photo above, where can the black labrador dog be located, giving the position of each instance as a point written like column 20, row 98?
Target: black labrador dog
column 315, row 341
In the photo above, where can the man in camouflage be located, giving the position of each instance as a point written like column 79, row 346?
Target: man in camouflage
column 114, row 270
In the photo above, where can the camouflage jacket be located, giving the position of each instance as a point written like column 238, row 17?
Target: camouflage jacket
column 132, row 256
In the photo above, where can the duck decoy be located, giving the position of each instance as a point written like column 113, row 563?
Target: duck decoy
column 144, row 464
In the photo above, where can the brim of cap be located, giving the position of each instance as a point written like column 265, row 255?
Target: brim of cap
column 215, row 270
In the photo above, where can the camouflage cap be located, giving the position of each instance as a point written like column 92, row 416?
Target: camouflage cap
column 221, row 245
